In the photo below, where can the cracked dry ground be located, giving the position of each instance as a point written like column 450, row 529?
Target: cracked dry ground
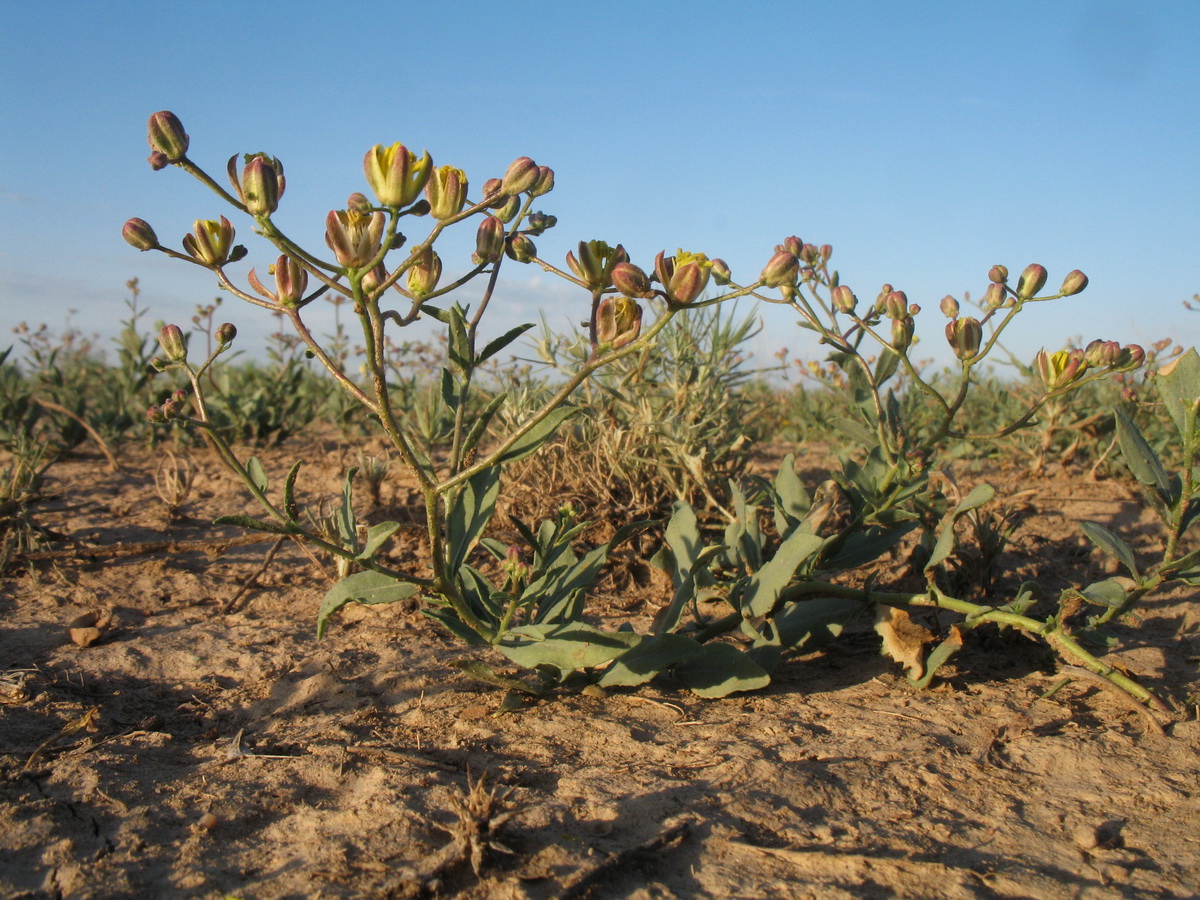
column 191, row 753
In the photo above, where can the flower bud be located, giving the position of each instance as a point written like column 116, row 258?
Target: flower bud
column 998, row 275
column 965, row 336
column 167, row 137
column 994, row 296
column 792, row 245
column 262, row 185
column 949, row 307
column 630, row 280
column 395, row 174
column 373, row 279
column 158, row 364
column 173, row 342
column 1075, row 282
column 446, row 191
column 544, row 183
column 1032, row 280
column 354, row 237
column 844, row 300
column 521, row 248
column 492, row 191
column 720, row 272
column 154, row 415
column 538, row 222
column 210, row 242
column 507, row 211
column 895, row 305
column 522, row 174
column 618, row 321
column 425, row 273
column 1132, row 357
column 683, row 276
column 1060, row 368
column 291, row 280
column 902, row 333
column 225, row 333
column 781, row 269
column 826, row 252
column 489, row 241
column 139, row 234
column 358, row 202
column 595, row 263
column 1102, row 353
column 809, row 254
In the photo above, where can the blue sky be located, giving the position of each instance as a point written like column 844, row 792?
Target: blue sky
column 924, row 140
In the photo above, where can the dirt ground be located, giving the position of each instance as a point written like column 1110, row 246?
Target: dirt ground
column 192, row 752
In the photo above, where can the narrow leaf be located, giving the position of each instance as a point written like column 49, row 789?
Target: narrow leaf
column 1110, row 544
column 377, row 536
column 371, row 588
column 254, row 468
column 538, row 435
column 503, row 341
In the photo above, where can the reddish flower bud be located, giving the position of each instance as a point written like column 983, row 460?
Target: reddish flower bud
column 173, row 342
column 210, row 242
column 1102, row 353
column 994, row 296
column 595, row 263
column 631, row 280
column 998, row 275
column 225, row 333
column 809, row 254
column 720, row 272
column 506, row 211
column 489, row 241
column 895, row 305
column 844, row 300
column 1075, row 282
column 781, row 269
column 826, row 252
column 446, row 191
column 792, row 245
column 167, row 138
column 538, row 222
column 683, row 276
column 521, row 248
column 1060, row 368
column 358, row 202
column 1132, row 357
column 965, row 336
column 262, row 184
column 291, row 281
column 544, row 183
column 354, row 237
column 425, row 273
column 492, row 190
column 1032, row 280
column 618, row 321
column 949, row 307
column 395, row 174
column 522, row 174
column 139, row 234
column 902, row 333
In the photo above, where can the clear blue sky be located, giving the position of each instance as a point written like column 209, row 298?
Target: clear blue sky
column 924, row 140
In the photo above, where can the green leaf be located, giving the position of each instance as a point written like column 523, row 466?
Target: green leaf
column 792, row 500
column 683, row 536
column 448, row 619
column 459, row 344
column 650, row 657
column 538, row 435
column 254, row 468
column 938, row 658
column 567, row 648
column 448, row 388
column 720, row 671
column 867, row 545
column 481, row 422
column 469, row 513
column 945, row 543
column 763, row 588
column 856, row 431
column 503, row 341
column 889, row 362
column 1140, row 457
column 371, row 588
column 1178, row 384
column 377, row 535
column 1110, row 544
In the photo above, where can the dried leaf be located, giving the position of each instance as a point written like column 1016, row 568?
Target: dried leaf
column 903, row 639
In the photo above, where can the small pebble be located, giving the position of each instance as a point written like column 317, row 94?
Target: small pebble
column 207, row 822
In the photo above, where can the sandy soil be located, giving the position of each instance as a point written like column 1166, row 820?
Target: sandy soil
column 196, row 753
